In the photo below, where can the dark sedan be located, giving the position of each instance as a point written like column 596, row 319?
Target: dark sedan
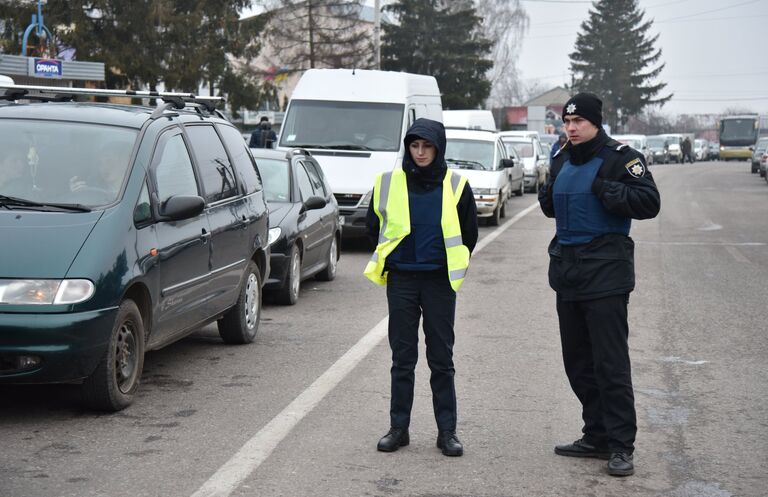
column 305, row 233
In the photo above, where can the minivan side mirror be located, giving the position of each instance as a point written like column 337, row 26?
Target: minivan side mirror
column 313, row 203
column 505, row 163
column 180, row 207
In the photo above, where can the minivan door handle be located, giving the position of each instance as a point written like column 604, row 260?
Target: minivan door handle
column 205, row 236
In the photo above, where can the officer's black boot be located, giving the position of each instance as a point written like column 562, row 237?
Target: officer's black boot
column 621, row 464
column 582, row 448
column 449, row 444
column 394, row 439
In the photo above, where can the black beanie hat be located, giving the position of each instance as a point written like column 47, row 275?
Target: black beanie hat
column 586, row 105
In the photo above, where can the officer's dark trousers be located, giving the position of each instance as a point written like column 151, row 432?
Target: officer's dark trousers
column 411, row 295
column 594, row 336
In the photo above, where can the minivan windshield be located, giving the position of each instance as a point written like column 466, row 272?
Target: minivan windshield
column 469, row 154
column 63, row 163
column 343, row 125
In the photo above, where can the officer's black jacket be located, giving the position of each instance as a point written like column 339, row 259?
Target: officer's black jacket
column 605, row 265
column 422, row 179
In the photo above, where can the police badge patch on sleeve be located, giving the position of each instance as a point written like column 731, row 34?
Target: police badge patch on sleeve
column 635, row 167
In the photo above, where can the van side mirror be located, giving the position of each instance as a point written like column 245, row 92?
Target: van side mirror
column 505, row 163
column 181, row 207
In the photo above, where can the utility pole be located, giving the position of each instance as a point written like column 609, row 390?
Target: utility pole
column 377, row 33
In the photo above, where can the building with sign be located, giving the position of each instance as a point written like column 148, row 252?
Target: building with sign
column 50, row 72
column 47, row 71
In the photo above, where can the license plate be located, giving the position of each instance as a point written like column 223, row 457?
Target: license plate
column 341, row 220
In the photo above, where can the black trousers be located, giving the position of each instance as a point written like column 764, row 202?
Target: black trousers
column 594, row 336
column 411, row 295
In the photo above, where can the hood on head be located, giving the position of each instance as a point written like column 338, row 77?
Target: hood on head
column 434, row 132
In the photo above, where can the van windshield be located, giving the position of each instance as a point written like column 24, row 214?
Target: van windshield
column 63, row 163
column 343, row 125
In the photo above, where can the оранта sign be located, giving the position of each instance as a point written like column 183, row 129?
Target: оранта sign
column 45, row 68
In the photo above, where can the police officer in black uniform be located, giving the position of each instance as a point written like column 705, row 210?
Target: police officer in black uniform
column 597, row 186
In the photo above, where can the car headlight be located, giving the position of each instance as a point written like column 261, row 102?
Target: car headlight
column 42, row 292
column 485, row 191
column 273, row 235
column 366, row 199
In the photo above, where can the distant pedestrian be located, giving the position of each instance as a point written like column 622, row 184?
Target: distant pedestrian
column 263, row 136
column 597, row 186
column 423, row 219
column 686, row 150
column 560, row 143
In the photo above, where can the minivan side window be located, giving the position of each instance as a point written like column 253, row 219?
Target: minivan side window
column 173, row 169
column 216, row 172
column 241, row 158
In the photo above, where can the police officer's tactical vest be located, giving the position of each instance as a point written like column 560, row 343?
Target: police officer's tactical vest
column 390, row 203
column 579, row 214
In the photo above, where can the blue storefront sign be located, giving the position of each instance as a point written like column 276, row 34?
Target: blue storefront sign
column 45, row 68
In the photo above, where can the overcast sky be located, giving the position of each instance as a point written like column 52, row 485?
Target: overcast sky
column 714, row 50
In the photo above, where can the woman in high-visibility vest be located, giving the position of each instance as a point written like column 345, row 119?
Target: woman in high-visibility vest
column 423, row 220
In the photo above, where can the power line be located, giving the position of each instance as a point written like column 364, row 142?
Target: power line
column 710, row 11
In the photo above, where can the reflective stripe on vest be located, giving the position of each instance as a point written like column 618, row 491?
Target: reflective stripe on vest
column 390, row 201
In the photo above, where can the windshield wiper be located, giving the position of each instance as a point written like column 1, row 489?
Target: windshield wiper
column 10, row 202
column 331, row 147
column 307, row 145
column 467, row 164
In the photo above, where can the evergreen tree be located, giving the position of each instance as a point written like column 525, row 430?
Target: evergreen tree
column 614, row 59
column 319, row 33
column 440, row 40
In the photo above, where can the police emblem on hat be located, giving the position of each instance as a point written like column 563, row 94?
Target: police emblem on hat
column 636, row 168
column 570, row 109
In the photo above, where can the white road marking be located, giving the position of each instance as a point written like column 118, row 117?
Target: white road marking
column 260, row 446
column 736, row 253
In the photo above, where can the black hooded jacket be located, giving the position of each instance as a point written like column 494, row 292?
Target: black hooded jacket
column 605, row 265
column 422, row 179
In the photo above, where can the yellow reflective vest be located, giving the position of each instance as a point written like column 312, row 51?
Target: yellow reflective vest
column 390, row 203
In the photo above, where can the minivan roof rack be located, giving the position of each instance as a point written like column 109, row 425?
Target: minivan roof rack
column 59, row 93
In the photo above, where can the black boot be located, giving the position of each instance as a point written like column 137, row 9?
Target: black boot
column 582, row 448
column 449, row 444
column 621, row 464
column 394, row 439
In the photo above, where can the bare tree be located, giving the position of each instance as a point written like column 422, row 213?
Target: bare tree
column 505, row 22
column 319, row 33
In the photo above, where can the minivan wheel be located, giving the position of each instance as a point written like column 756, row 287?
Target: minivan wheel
column 495, row 217
column 520, row 191
column 240, row 324
column 289, row 293
column 503, row 209
column 112, row 386
column 329, row 273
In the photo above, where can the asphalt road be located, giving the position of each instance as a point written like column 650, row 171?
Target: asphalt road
column 299, row 412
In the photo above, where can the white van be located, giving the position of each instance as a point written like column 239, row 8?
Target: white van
column 469, row 119
column 353, row 123
column 639, row 143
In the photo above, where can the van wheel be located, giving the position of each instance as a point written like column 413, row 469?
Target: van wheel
column 240, row 324
column 289, row 294
column 503, row 209
column 112, row 386
column 329, row 273
column 520, row 191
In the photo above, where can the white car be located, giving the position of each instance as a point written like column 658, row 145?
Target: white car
column 480, row 157
column 535, row 160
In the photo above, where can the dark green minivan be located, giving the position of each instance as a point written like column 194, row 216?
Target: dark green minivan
column 122, row 229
